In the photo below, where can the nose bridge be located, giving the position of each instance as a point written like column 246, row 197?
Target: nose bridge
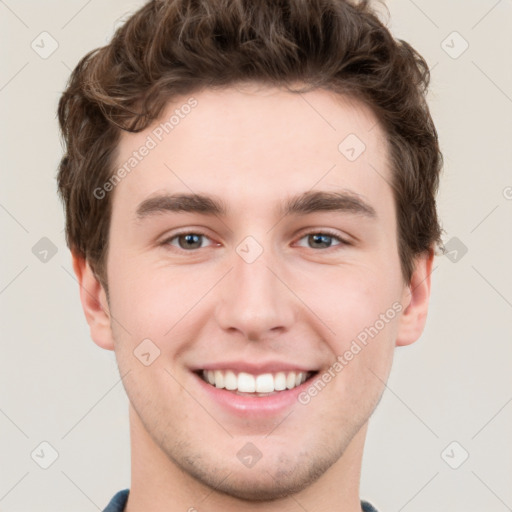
column 254, row 301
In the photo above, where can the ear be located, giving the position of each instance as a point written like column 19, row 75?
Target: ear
column 416, row 296
column 94, row 303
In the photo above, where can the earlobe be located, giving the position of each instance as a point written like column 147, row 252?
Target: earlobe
column 416, row 297
column 94, row 303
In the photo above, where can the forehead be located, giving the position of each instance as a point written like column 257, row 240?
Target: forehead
column 255, row 143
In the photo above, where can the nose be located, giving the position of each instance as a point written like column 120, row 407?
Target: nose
column 255, row 300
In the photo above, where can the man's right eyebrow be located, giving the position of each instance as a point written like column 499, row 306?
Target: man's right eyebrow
column 189, row 203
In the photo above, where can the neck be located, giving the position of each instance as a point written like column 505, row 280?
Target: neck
column 158, row 484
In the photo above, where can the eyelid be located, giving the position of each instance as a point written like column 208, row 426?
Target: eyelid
column 187, row 231
column 326, row 231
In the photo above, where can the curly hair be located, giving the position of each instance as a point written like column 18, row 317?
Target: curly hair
column 175, row 47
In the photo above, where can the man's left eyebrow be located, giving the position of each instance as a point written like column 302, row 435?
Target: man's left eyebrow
column 327, row 201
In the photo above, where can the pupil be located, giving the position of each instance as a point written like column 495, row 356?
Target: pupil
column 322, row 239
column 190, row 240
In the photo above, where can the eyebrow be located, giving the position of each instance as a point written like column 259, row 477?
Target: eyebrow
column 302, row 204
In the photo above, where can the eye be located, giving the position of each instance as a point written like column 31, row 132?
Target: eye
column 186, row 241
column 189, row 241
column 323, row 239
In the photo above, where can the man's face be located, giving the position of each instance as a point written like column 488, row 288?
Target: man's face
column 255, row 290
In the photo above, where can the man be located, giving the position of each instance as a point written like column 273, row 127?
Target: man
column 250, row 205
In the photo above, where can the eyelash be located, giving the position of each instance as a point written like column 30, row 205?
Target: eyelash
column 342, row 242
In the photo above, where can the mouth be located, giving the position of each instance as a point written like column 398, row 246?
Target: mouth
column 255, row 386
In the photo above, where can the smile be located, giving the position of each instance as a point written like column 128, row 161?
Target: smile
column 244, row 383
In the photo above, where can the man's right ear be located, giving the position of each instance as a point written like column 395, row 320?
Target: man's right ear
column 94, row 303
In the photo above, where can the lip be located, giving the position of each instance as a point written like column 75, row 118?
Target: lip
column 256, row 368
column 252, row 407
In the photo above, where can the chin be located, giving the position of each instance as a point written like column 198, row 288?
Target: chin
column 263, row 482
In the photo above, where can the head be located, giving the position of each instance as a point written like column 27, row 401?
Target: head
column 298, row 124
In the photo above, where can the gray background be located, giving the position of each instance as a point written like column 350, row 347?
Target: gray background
column 454, row 384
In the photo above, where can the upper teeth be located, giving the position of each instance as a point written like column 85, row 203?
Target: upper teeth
column 247, row 383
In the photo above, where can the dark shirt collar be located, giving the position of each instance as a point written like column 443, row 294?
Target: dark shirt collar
column 118, row 502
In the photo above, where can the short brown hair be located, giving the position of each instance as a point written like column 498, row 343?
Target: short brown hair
column 174, row 47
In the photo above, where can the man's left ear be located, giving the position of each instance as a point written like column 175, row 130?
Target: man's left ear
column 415, row 299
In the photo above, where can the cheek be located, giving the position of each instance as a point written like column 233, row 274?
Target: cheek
column 351, row 299
column 163, row 305
column 362, row 312
column 139, row 302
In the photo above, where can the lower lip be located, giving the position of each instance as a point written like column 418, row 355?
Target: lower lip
column 253, row 406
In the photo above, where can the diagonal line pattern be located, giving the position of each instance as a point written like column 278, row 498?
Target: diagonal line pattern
column 14, row 76
column 197, row 402
column 332, row 332
column 332, row 167
column 13, row 13
column 481, row 222
column 13, row 279
column 302, row 96
column 97, row 302
column 14, row 218
column 76, row 14
column 215, row 488
column 111, row 388
column 280, row 423
column 508, row 508
column 311, row 188
column 432, row 271
column 433, row 66
column 493, row 287
column 387, row 387
column 424, row 14
column 80, row 490
column 486, row 14
column 492, row 81
column 510, row 400
column 406, row 503
column 13, row 423
column 14, row 485
column 69, row 69
column 291, row 495
column 390, row 183
column 216, row 216
column 199, row 300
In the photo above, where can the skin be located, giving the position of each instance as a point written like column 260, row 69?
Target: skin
column 253, row 147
